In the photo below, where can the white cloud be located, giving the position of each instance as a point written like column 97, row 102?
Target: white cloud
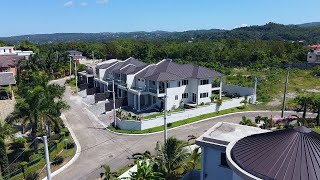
column 83, row 4
column 241, row 25
column 69, row 4
column 102, row 1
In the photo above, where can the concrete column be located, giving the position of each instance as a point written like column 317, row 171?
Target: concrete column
column 255, row 83
column 134, row 101
column 139, row 98
column 220, row 91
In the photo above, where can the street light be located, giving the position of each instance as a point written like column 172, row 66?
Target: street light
column 46, row 155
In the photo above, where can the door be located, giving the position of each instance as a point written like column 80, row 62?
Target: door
column 194, row 97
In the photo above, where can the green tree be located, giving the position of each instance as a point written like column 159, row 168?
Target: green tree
column 304, row 101
column 193, row 159
column 145, row 171
column 5, row 131
column 171, row 158
column 316, row 107
column 244, row 102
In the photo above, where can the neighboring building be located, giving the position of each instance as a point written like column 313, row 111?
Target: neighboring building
column 213, row 145
column 10, row 51
column 237, row 152
column 145, row 85
column 9, row 63
column 76, row 55
column 314, row 54
column 6, row 79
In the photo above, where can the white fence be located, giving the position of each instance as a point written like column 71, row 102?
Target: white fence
column 178, row 116
column 234, row 89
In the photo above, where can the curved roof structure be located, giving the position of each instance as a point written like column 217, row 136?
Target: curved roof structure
column 285, row 154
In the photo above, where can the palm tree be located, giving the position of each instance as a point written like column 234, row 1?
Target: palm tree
column 171, row 158
column 316, row 107
column 145, row 171
column 304, row 101
column 193, row 159
column 40, row 105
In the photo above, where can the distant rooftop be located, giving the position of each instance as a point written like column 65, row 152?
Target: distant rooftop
column 223, row 133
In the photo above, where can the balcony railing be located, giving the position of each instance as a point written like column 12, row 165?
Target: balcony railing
column 161, row 90
column 215, row 84
column 153, row 90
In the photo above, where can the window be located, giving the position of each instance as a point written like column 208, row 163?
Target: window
column 310, row 56
column 223, row 160
column 4, row 50
column 179, row 83
column 176, row 97
column 153, row 83
column 203, row 95
column 185, row 82
column 204, row 81
column 138, row 79
column 185, row 95
column 168, row 84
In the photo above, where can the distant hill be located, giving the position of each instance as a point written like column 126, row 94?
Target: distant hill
column 309, row 24
column 308, row 32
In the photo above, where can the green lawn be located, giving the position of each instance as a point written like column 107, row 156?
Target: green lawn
column 179, row 123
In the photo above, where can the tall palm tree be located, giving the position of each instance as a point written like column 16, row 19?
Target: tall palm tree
column 40, row 105
column 171, row 158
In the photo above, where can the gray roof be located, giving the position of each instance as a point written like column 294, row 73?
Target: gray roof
column 6, row 78
column 132, row 65
column 167, row 70
column 106, row 65
column 289, row 154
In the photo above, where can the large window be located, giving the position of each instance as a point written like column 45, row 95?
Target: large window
column 185, row 95
column 223, row 160
column 179, row 83
column 204, row 81
column 203, row 95
column 185, row 82
column 176, row 97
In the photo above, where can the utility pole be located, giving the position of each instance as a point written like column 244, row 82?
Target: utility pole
column 46, row 153
column 165, row 116
column 70, row 66
column 114, row 105
column 284, row 94
column 76, row 75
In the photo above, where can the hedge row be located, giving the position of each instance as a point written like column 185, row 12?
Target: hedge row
column 35, row 167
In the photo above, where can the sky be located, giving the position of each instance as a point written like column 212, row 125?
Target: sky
column 20, row 17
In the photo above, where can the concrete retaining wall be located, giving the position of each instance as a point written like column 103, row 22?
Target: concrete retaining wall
column 234, row 89
column 178, row 116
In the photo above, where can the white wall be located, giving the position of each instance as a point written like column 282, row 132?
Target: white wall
column 178, row 116
column 5, row 50
column 130, row 80
column 211, row 165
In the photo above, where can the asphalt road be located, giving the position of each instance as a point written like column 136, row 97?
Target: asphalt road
column 100, row 146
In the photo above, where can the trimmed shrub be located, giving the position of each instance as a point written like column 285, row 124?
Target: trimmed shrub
column 32, row 176
column 69, row 145
column 57, row 160
column 54, row 137
column 18, row 143
column 35, row 157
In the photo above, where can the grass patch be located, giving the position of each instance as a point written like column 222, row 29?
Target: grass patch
column 316, row 129
column 161, row 113
column 179, row 123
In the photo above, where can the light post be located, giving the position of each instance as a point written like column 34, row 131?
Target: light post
column 284, row 94
column 70, row 66
column 76, row 75
column 46, row 155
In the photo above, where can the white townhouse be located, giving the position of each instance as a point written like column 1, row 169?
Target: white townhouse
column 145, row 85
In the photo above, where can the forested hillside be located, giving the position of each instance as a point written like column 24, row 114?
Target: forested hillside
column 309, row 33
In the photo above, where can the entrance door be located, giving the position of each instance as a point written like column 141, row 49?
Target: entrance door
column 194, row 97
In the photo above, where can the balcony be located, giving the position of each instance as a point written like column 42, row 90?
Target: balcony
column 121, row 82
column 215, row 84
column 153, row 90
column 161, row 90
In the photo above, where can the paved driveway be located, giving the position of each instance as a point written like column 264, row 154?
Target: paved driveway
column 100, row 146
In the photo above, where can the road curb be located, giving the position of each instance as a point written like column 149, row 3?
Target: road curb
column 77, row 154
column 207, row 119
